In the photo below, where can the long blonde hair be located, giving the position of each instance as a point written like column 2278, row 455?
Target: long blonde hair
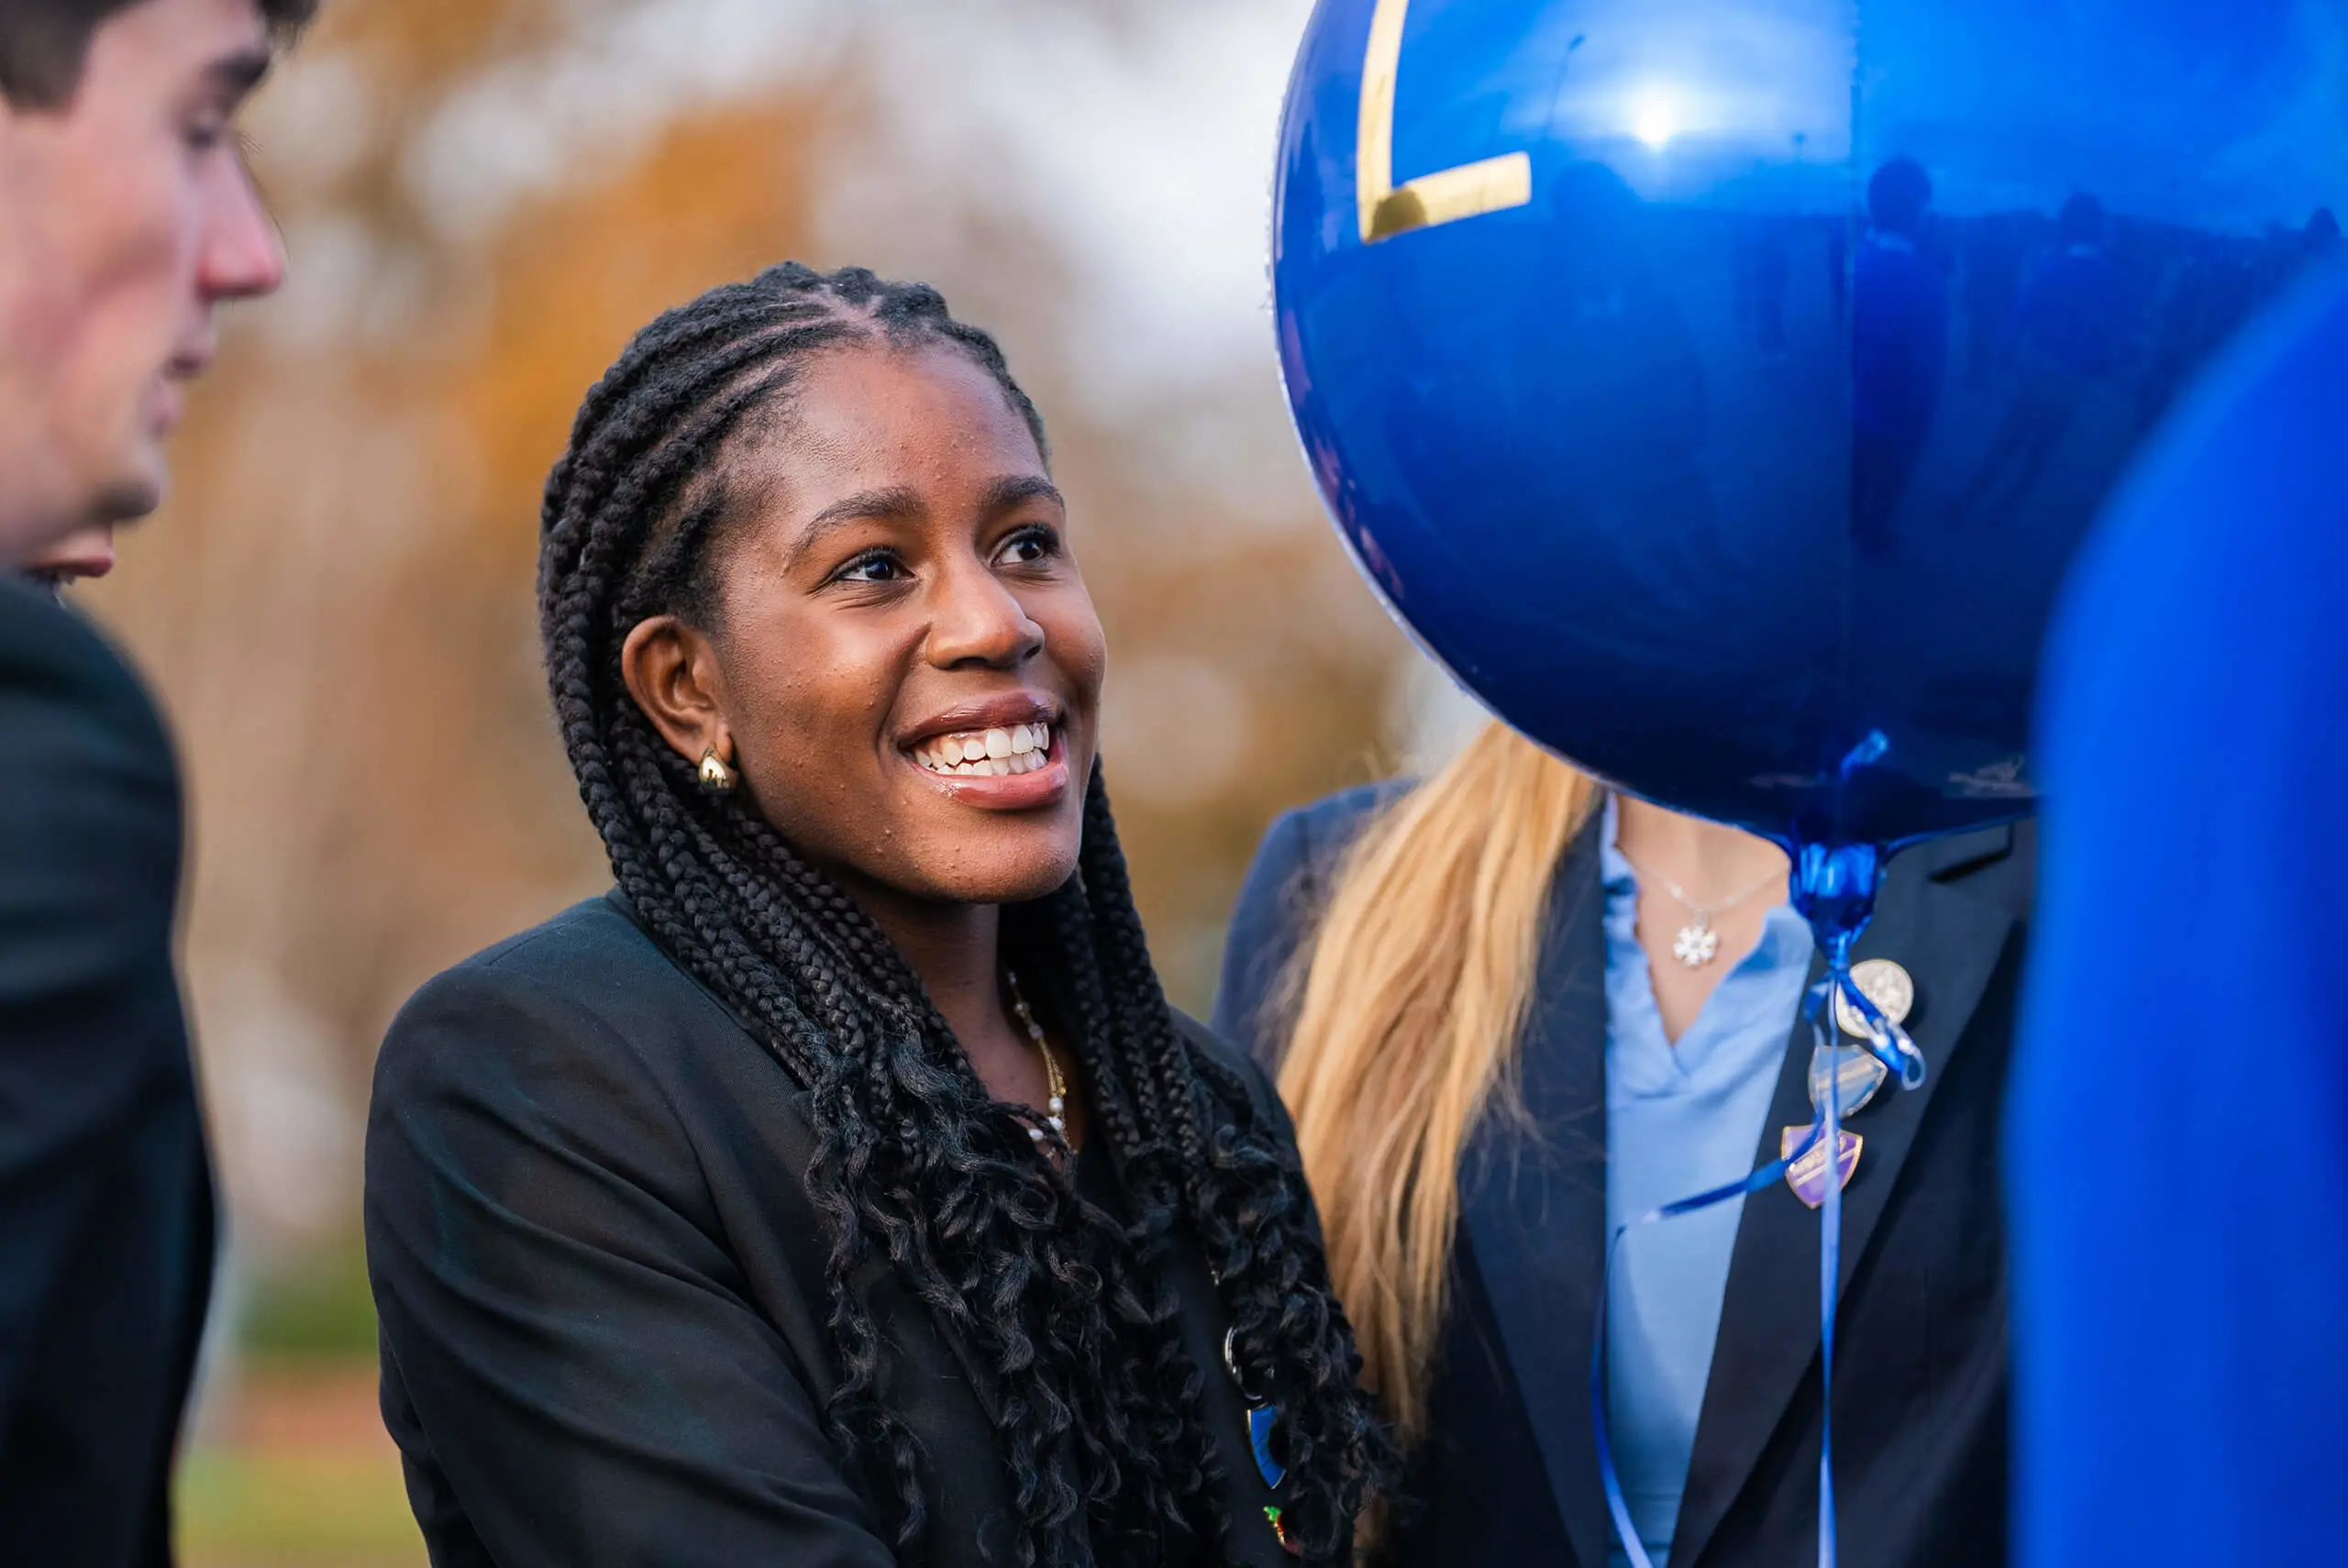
column 1408, row 1005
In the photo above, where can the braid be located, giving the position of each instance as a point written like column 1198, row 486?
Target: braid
column 918, row 1173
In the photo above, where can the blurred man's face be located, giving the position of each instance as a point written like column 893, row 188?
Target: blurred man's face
column 126, row 216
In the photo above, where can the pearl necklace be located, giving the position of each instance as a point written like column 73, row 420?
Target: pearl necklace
column 1056, row 1107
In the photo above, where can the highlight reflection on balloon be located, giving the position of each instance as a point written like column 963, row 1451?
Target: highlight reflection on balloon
column 1720, row 386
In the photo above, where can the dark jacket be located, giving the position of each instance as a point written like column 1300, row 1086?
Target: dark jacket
column 105, row 1204
column 1510, row 1475
column 601, row 1282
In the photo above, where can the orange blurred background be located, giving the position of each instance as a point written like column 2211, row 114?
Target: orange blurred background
column 482, row 200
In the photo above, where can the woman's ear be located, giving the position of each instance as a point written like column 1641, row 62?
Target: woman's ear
column 671, row 672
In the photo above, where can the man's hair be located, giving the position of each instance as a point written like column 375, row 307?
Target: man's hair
column 44, row 43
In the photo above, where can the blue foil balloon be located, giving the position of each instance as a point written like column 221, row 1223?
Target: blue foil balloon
column 1719, row 388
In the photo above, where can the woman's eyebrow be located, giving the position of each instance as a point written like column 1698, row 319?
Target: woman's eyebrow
column 1011, row 491
column 896, row 503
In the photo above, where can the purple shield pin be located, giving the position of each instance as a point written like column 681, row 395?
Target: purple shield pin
column 1807, row 1176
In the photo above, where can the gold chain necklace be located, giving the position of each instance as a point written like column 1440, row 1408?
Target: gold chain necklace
column 1056, row 1107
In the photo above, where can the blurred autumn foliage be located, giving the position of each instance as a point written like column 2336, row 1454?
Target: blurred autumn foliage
column 483, row 199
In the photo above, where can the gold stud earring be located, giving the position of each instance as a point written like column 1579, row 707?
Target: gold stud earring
column 717, row 779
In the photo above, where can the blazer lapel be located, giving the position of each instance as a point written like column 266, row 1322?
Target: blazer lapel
column 1534, row 1210
column 1768, row 1334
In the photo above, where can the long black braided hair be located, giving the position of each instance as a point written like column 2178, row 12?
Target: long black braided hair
column 1097, row 1404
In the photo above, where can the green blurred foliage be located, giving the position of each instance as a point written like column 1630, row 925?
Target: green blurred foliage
column 318, row 1310
column 291, row 1510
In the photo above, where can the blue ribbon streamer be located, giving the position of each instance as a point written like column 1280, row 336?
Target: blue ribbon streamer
column 1890, row 1044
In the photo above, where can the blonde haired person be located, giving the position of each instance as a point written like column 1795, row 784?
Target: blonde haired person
column 1502, row 1030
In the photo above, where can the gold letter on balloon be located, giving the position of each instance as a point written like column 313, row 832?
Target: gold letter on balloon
column 1487, row 185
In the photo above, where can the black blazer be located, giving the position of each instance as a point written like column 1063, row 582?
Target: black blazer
column 105, row 1205
column 1511, row 1476
column 601, row 1284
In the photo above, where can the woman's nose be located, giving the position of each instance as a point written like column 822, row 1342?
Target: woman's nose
column 975, row 618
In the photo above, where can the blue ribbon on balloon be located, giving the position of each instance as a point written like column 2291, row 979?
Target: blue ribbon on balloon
column 1890, row 1044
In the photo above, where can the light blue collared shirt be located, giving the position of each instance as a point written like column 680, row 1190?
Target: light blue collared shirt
column 1679, row 1119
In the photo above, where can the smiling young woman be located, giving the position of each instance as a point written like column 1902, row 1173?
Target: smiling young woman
column 840, row 1189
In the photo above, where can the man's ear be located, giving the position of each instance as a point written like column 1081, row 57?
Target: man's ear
column 671, row 671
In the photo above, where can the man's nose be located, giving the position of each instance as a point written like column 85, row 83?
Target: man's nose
column 242, row 256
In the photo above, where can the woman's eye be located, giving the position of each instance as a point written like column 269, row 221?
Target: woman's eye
column 878, row 566
column 1030, row 546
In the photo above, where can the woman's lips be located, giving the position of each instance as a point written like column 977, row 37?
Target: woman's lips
column 1007, row 768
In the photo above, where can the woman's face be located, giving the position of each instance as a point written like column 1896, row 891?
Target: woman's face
column 905, row 667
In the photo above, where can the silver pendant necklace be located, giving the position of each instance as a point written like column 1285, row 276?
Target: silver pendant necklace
column 1696, row 944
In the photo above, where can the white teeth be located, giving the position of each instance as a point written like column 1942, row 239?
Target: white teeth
column 988, row 753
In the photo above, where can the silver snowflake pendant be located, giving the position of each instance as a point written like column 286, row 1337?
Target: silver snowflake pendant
column 1696, row 944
